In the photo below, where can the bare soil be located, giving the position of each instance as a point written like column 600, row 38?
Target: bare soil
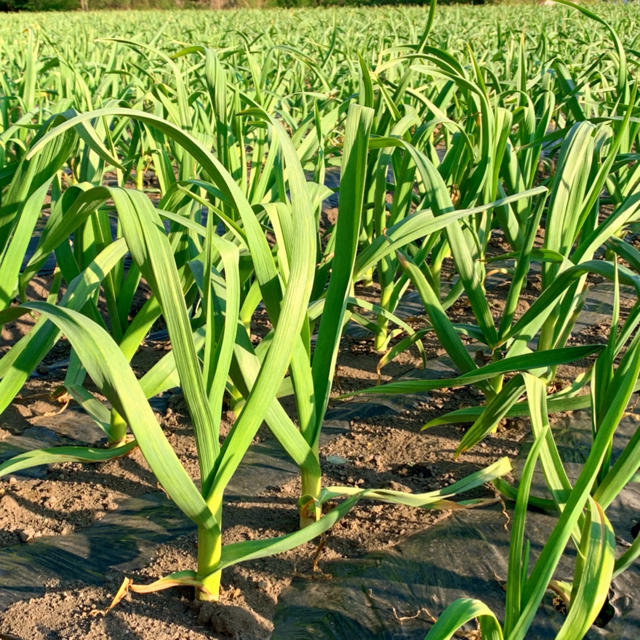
column 385, row 450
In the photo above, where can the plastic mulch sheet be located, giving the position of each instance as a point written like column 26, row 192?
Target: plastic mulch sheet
column 124, row 539
column 396, row 594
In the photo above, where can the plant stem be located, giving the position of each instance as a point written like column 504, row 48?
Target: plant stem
column 309, row 504
column 209, row 550
column 117, row 429
column 381, row 341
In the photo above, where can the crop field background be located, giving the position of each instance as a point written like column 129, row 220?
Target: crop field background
column 282, row 291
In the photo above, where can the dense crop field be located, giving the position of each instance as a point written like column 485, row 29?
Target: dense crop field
column 175, row 172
